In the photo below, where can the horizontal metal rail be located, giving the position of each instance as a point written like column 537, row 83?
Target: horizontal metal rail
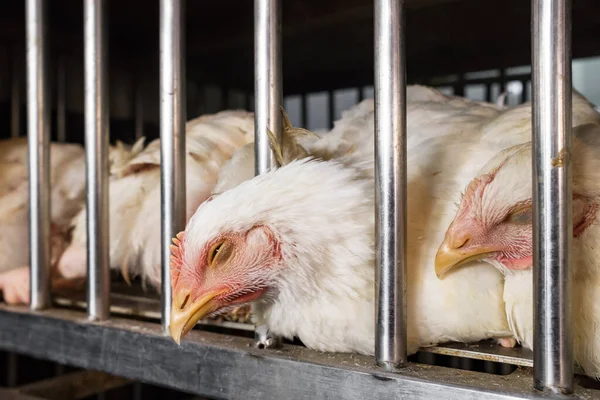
column 230, row 367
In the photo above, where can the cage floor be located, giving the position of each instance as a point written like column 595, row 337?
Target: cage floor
column 133, row 301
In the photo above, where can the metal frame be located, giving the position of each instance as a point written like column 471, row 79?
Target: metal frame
column 228, row 366
column 552, row 195
column 220, row 366
column 172, row 138
column 96, row 154
column 38, row 132
column 268, row 98
column 390, row 184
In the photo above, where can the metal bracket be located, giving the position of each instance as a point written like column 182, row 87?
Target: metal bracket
column 266, row 340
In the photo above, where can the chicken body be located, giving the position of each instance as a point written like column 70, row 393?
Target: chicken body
column 494, row 223
column 135, row 210
column 298, row 242
column 67, row 180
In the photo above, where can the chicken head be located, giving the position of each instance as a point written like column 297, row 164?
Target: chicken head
column 231, row 269
column 494, row 218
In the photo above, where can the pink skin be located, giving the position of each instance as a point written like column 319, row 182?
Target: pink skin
column 73, row 262
column 242, row 273
column 506, row 235
column 14, row 284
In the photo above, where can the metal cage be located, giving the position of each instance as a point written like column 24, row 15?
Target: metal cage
column 212, row 364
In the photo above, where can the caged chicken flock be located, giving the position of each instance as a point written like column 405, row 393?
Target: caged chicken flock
column 297, row 243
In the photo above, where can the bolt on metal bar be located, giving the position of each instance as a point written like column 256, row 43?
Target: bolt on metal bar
column 61, row 110
column 96, row 154
column 38, row 128
column 552, row 195
column 172, row 138
column 268, row 94
column 15, row 95
column 390, row 183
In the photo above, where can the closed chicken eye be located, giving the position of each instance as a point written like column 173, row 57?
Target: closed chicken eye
column 521, row 217
column 214, row 251
column 220, row 253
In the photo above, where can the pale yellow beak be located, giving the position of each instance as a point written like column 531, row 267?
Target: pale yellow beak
column 449, row 257
column 185, row 316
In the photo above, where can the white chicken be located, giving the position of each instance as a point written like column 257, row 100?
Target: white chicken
column 298, row 242
column 135, row 195
column 67, row 175
column 494, row 223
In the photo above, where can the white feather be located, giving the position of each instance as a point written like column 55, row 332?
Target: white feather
column 323, row 213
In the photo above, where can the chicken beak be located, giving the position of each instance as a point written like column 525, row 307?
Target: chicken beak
column 448, row 258
column 185, row 316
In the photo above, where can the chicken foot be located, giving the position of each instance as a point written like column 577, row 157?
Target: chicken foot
column 507, row 342
column 15, row 283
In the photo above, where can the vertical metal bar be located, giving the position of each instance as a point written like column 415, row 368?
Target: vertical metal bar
column 523, row 91
column 61, row 110
column 552, row 195
column 390, row 183
column 268, row 95
column 38, row 128
column 96, row 154
column 502, row 80
column 488, row 92
column 15, row 95
column 172, row 138
column 304, row 105
column 331, row 107
column 267, row 80
column 459, row 86
column 361, row 93
column 138, row 111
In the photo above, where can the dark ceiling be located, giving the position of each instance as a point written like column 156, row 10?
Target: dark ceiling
column 327, row 44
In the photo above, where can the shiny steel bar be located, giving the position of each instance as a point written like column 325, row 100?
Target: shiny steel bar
column 15, row 95
column 268, row 97
column 172, row 137
column 390, row 183
column 38, row 131
column 61, row 111
column 96, row 153
column 268, row 92
column 552, row 195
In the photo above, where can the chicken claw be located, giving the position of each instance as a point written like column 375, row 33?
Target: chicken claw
column 14, row 285
column 507, row 342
